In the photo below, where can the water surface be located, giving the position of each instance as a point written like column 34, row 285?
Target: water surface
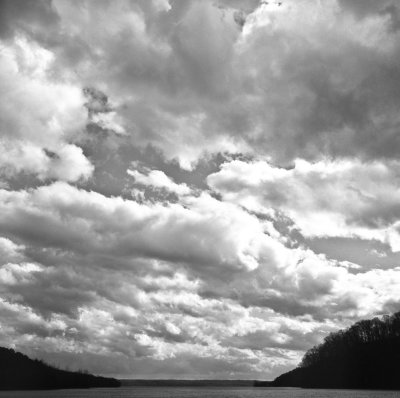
column 199, row 392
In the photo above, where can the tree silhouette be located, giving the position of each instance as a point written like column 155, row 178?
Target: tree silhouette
column 18, row 372
column 366, row 355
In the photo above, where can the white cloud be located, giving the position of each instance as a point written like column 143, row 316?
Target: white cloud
column 158, row 179
column 66, row 162
column 208, row 295
column 330, row 198
column 109, row 121
column 201, row 231
column 9, row 251
column 39, row 114
column 35, row 107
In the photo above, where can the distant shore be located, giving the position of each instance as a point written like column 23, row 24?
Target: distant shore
column 192, row 383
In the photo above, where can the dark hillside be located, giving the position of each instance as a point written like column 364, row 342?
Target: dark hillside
column 364, row 356
column 18, row 372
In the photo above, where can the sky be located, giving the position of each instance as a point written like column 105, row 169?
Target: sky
column 196, row 189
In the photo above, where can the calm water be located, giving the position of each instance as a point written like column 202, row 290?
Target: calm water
column 172, row 392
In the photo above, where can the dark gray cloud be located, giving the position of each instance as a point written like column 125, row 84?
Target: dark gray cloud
column 27, row 16
column 328, row 92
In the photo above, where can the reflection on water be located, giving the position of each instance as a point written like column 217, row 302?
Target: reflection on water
column 172, row 392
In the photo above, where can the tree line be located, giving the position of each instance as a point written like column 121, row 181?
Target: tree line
column 365, row 355
column 18, row 372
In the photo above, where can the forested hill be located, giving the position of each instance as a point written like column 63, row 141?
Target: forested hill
column 364, row 356
column 18, row 372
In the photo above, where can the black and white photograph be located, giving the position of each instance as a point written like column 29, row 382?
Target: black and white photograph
column 199, row 198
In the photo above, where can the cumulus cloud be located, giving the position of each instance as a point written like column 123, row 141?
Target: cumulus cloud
column 205, row 269
column 34, row 103
column 311, row 89
column 300, row 68
column 158, row 179
column 327, row 198
column 184, row 184
column 201, row 231
column 332, row 100
column 9, row 251
column 39, row 117
column 66, row 163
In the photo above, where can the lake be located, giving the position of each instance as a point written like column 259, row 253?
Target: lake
column 202, row 392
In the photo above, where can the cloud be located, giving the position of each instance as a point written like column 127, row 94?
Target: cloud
column 66, row 163
column 148, row 38
column 158, row 179
column 9, row 251
column 34, row 103
column 311, row 90
column 100, row 113
column 29, row 18
column 312, row 79
column 146, row 282
column 212, row 240
column 201, row 231
column 324, row 199
column 39, row 117
column 195, row 188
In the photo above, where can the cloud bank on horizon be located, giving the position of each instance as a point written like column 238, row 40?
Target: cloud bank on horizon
column 196, row 189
